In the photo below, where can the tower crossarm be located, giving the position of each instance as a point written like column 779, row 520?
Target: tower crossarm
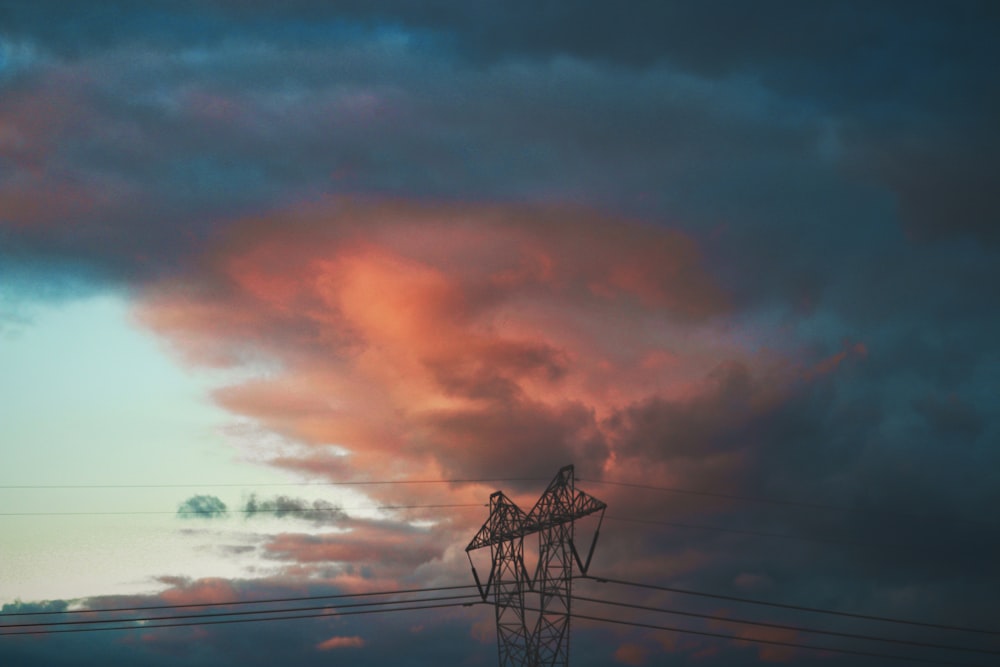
column 553, row 514
column 561, row 503
column 506, row 522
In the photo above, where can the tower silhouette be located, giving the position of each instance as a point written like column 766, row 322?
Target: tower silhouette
column 521, row 643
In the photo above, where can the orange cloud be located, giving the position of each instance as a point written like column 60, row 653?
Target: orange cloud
column 340, row 642
column 772, row 653
column 390, row 546
column 826, row 366
column 464, row 341
column 765, row 652
column 631, row 654
column 202, row 590
column 460, row 339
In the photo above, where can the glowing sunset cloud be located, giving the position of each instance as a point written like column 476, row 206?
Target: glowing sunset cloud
column 453, row 339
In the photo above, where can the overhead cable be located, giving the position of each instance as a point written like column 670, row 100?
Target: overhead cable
column 757, row 533
column 782, row 626
column 228, row 603
column 220, row 513
column 784, row 502
column 779, row 605
column 242, row 620
column 379, row 482
column 772, row 642
column 252, row 612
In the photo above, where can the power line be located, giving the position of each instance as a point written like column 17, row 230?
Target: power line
column 781, row 626
column 783, row 502
column 217, row 514
column 475, row 601
column 725, row 496
column 757, row 533
column 272, row 484
column 241, row 620
column 483, row 480
column 773, row 642
column 306, row 510
column 302, row 598
column 779, row 605
column 252, row 612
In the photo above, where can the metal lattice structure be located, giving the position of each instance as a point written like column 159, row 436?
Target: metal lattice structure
column 552, row 519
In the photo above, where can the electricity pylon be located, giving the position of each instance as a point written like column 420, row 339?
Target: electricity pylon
column 553, row 519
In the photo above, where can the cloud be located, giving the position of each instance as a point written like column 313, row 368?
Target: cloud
column 195, row 121
column 382, row 549
column 19, row 607
column 319, row 511
column 236, row 549
column 702, row 425
column 445, row 632
column 426, row 340
column 194, row 140
column 467, row 339
column 631, row 654
column 951, row 416
column 340, row 642
column 733, row 35
column 184, row 590
column 201, row 507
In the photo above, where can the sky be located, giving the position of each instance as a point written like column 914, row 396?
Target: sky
column 287, row 290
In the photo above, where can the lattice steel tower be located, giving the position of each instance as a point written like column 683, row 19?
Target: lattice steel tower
column 546, row 642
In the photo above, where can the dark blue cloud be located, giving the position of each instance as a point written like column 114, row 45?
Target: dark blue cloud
column 201, row 507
